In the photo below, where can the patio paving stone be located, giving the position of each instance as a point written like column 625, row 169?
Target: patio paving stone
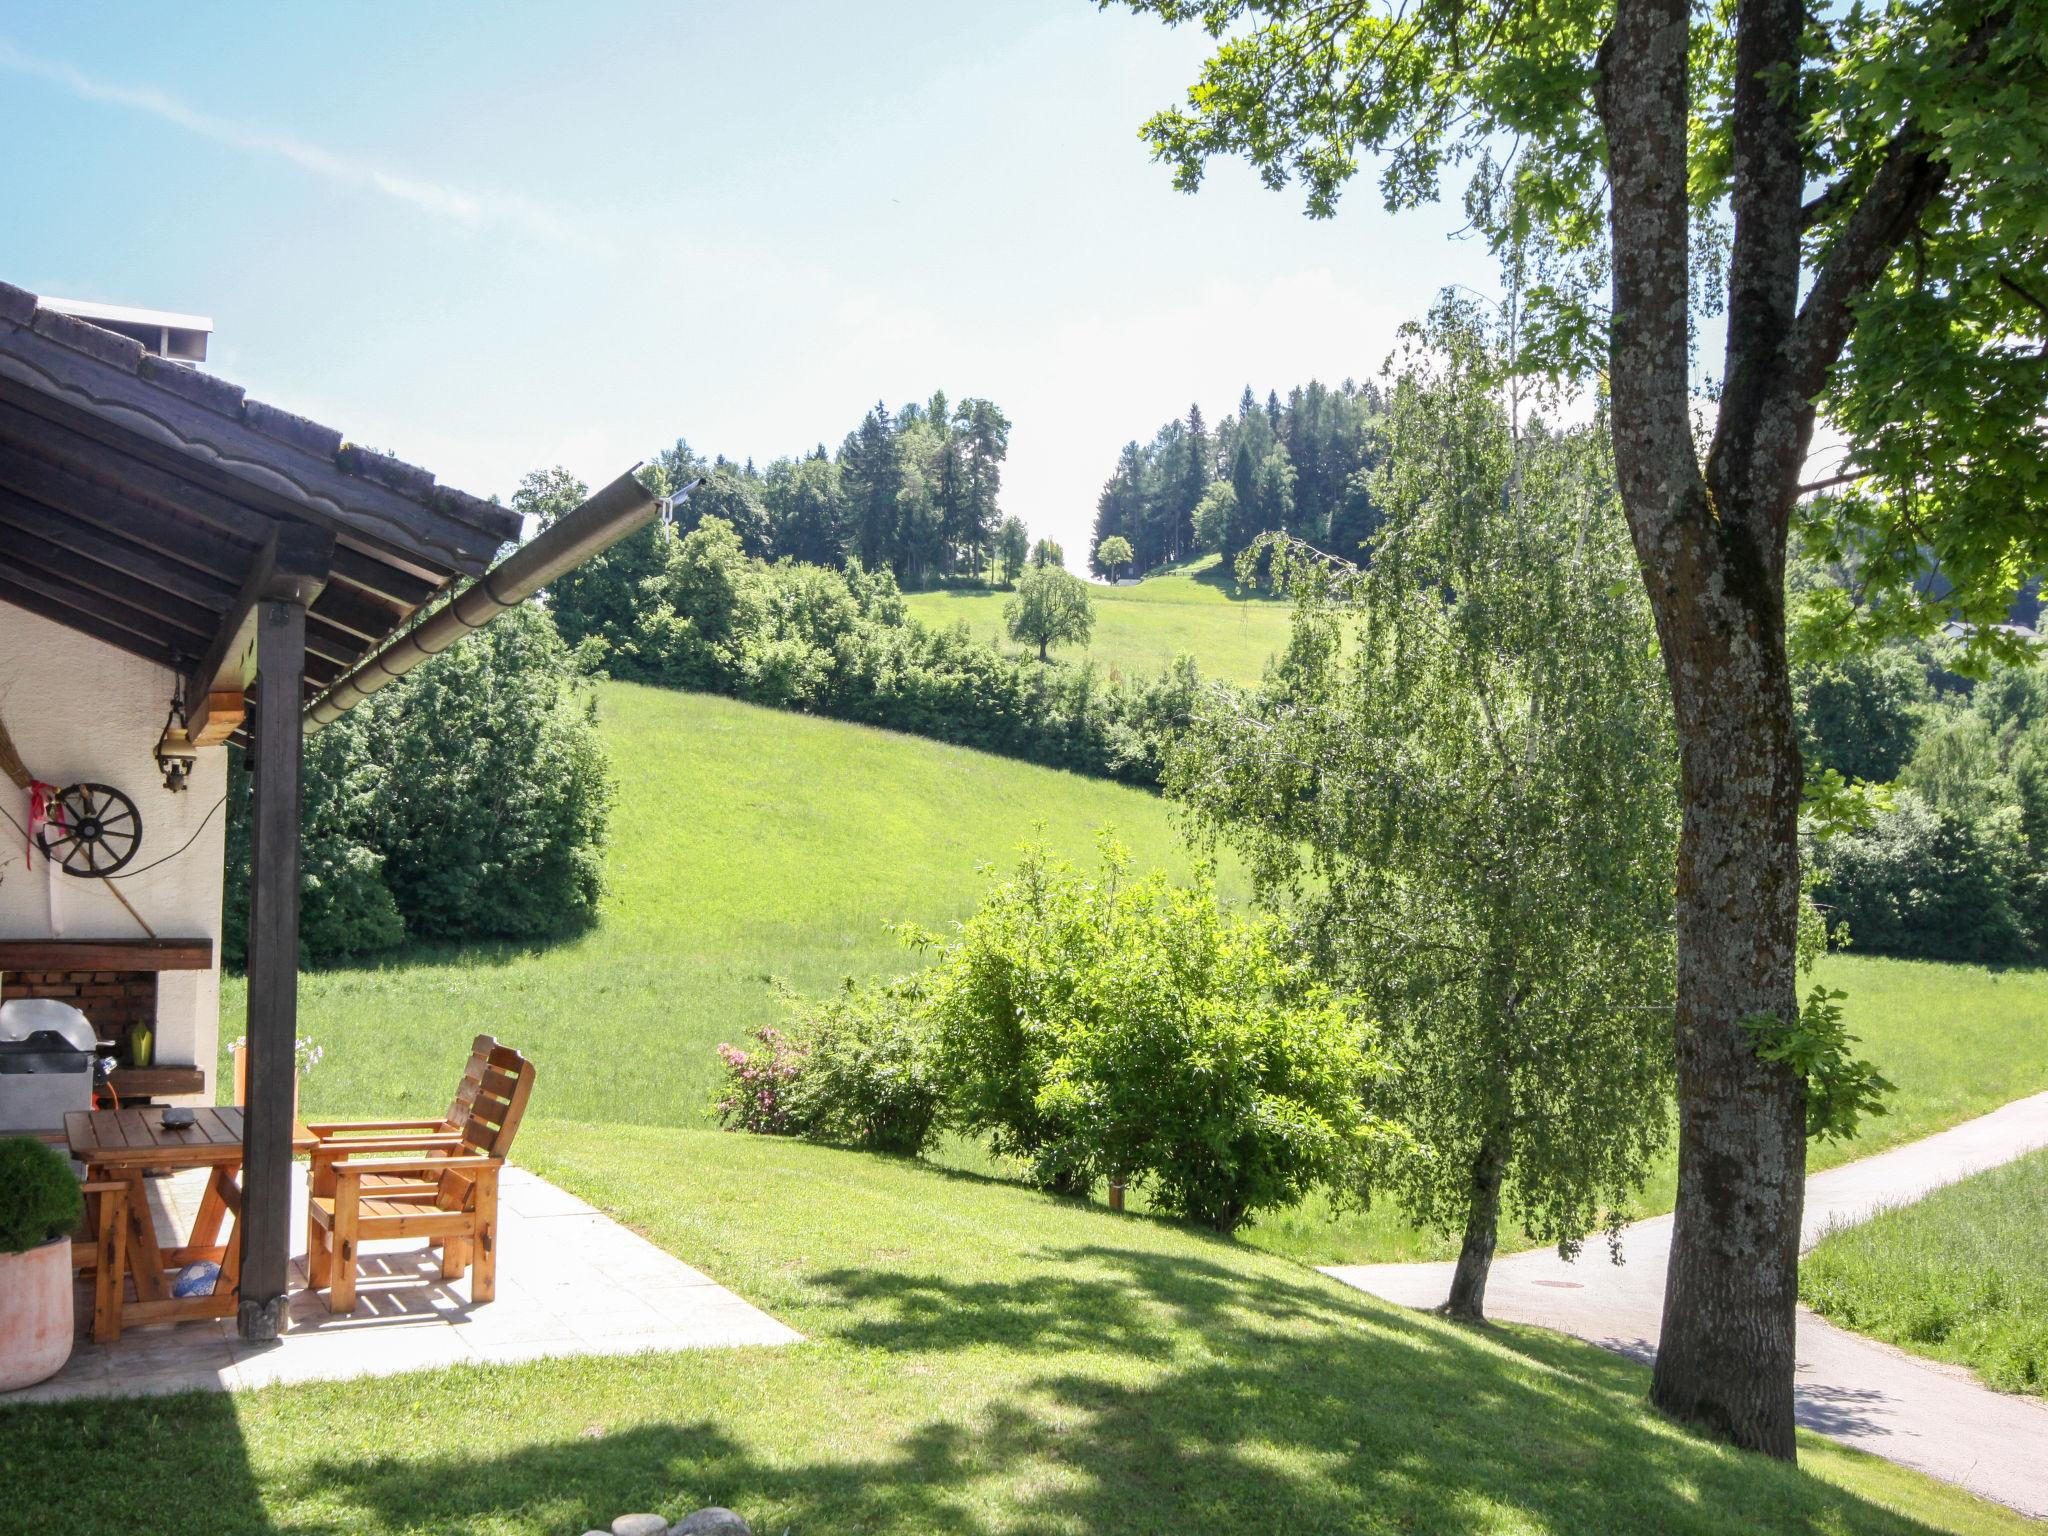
column 570, row 1282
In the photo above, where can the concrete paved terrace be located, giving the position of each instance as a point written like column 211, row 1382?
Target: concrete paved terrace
column 571, row 1281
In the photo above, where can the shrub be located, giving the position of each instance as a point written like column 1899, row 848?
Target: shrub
column 870, row 1075
column 1924, row 882
column 468, row 800
column 1104, row 1027
column 1859, row 714
column 756, row 1094
column 39, row 1198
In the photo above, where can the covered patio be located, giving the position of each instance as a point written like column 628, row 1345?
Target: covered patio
column 572, row 1282
column 274, row 575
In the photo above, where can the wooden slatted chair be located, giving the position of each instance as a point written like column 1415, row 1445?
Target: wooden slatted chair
column 446, row 1189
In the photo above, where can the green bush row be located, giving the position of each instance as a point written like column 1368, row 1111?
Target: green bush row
column 698, row 612
column 1097, row 1028
column 1956, row 868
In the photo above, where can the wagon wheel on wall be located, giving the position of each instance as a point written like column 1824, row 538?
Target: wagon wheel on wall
column 90, row 830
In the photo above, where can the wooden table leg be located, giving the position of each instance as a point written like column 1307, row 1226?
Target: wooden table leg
column 111, row 1261
column 212, row 1208
column 145, row 1258
column 230, row 1194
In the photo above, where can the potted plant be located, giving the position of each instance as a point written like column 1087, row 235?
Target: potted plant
column 40, row 1207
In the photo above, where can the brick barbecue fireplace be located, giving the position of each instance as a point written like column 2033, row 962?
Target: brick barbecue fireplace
column 114, row 984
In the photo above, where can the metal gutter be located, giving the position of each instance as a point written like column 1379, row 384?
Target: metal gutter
column 607, row 517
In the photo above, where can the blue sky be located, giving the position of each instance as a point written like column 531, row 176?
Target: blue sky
column 493, row 237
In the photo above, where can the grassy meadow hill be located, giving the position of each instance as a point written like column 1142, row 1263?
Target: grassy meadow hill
column 1961, row 1275
column 752, row 846
column 1194, row 609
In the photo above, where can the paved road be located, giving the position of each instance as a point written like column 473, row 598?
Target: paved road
column 1932, row 1417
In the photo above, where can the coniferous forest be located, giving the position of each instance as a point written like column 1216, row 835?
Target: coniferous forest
column 913, row 492
column 1303, row 465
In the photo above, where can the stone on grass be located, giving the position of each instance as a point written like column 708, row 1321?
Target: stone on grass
column 711, row 1522
column 640, row 1525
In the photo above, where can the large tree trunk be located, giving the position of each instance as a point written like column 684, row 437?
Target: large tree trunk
column 1725, row 1357
column 1482, row 1232
column 1711, row 549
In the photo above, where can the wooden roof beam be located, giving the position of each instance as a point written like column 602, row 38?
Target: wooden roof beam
column 293, row 567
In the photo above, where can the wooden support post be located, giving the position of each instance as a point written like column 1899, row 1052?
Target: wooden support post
column 266, row 1216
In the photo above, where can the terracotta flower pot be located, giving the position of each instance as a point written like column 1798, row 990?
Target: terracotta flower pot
column 35, row 1313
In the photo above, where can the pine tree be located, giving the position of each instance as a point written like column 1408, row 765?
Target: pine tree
column 872, row 477
column 1243, row 525
column 1195, row 477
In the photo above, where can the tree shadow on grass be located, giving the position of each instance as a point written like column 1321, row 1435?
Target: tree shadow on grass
column 1122, row 1393
column 117, row 1464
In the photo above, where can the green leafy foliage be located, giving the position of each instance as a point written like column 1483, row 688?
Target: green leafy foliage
column 870, row 1076
column 1113, row 554
column 1119, row 1028
column 1954, row 863
column 1860, row 714
column 468, row 800
column 1051, row 607
column 1841, row 1090
column 1459, row 781
column 39, row 1197
column 1923, row 882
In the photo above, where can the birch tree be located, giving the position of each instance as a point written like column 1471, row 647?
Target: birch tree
column 1460, row 780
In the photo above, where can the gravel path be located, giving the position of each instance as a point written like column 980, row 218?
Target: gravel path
column 1935, row 1418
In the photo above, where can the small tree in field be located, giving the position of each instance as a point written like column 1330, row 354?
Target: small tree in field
column 1461, row 779
column 1047, row 554
column 1052, row 607
column 1113, row 554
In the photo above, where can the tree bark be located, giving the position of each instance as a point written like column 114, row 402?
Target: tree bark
column 1482, row 1232
column 1711, row 548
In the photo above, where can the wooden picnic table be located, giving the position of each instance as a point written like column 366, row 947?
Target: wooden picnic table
column 119, row 1147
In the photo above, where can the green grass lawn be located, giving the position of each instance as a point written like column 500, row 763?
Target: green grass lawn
column 1194, row 610
column 982, row 1360
column 1961, row 1275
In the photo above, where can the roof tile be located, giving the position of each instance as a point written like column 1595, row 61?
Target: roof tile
column 321, row 442
column 385, row 469
column 84, row 336
column 201, row 388
column 476, row 509
column 16, row 304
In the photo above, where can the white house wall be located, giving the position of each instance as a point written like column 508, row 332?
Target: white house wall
column 77, row 710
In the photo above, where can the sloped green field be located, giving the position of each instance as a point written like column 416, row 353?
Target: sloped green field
column 749, row 846
column 1194, row 610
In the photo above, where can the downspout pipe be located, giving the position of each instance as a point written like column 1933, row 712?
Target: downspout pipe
column 607, row 517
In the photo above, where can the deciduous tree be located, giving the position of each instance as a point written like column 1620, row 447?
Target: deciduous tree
column 1113, row 554
column 1051, row 607
column 1460, row 780
column 1855, row 192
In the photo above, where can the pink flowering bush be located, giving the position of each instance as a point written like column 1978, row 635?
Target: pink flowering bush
column 757, row 1094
